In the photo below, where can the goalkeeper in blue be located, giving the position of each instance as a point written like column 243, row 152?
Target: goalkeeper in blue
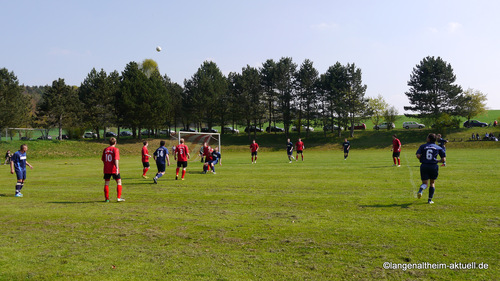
column 427, row 154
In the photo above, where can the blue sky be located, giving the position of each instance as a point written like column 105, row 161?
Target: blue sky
column 46, row 40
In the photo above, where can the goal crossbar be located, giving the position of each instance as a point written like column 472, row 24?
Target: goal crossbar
column 200, row 137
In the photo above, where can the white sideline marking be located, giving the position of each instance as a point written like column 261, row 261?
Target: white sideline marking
column 411, row 177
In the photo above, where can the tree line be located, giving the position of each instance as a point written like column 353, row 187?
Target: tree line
column 277, row 92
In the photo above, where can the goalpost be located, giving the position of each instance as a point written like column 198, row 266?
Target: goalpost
column 195, row 140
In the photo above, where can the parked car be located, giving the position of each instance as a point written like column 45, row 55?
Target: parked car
column 25, row 138
column 253, row 129
column 359, row 126
column 89, row 135
column 474, row 123
column 274, row 129
column 148, row 132
column 412, row 125
column 63, row 137
column 188, row 130
column 206, row 130
column 167, row 132
column 384, row 125
column 329, row 128
column 111, row 134
column 125, row 133
column 45, row 137
column 231, row 130
column 304, row 128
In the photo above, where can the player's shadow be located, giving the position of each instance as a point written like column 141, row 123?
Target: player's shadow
column 73, row 202
column 403, row 206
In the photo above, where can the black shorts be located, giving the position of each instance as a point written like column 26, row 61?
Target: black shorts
column 396, row 154
column 289, row 152
column 254, row 153
column 161, row 167
column 145, row 164
column 429, row 171
column 182, row 164
column 115, row 176
column 346, row 151
column 299, row 151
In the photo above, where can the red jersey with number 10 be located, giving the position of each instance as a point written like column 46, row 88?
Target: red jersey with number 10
column 109, row 155
column 182, row 151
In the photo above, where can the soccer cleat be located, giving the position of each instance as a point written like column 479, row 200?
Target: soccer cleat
column 182, row 179
column 145, row 177
column 399, row 165
column 155, row 180
column 214, row 173
column 419, row 195
column 106, row 201
column 176, row 177
column 120, row 200
column 430, row 202
column 19, row 194
column 290, row 162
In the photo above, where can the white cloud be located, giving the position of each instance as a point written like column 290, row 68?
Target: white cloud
column 60, row 52
column 454, row 27
column 324, row 26
column 433, row 30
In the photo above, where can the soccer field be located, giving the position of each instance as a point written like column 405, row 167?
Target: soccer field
column 321, row 219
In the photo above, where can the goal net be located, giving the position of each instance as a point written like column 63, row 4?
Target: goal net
column 195, row 142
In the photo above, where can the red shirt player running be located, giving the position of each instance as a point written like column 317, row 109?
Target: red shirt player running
column 254, row 147
column 299, row 146
column 396, row 150
column 110, row 158
column 145, row 159
column 181, row 155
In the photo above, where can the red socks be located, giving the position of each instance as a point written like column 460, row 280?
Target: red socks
column 106, row 192
column 119, row 191
column 183, row 173
column 144, row 171
column 177, row 171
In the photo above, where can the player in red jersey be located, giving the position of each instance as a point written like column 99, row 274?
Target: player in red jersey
column 396, row 150
column 208, row 159
column 181, row 155
column 145, row 159
column 299, row 145
column 254, row 148
column 110, row 158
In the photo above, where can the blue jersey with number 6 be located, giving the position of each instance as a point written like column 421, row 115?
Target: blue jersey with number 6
column 429, row 153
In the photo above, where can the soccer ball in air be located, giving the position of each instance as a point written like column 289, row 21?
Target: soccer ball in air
column 158, row 49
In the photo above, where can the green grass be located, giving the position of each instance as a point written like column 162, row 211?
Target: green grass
column 321, row 219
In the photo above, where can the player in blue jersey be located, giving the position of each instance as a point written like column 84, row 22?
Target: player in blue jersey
column 429, row 169
column 162, row 160
column 442, row 142
column 18, row 165
column 216, row 158
column 289, row 150
column 347, row 146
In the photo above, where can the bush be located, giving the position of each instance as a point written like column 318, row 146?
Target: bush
column 75, row 133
